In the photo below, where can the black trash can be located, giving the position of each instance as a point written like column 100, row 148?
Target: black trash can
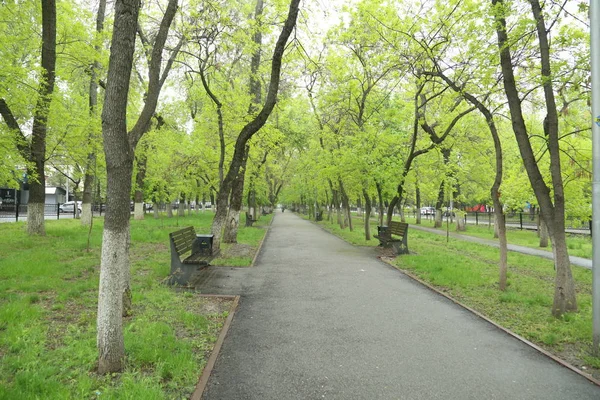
column 203, row 244
column 382, row 230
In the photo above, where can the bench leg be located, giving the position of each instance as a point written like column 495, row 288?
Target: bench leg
column 400, row 247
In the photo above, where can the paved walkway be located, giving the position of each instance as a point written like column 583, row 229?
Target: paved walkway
column 578, row 261
column 322, row 319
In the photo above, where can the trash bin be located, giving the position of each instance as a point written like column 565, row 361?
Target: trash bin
column 382, row 231
column 203, row 244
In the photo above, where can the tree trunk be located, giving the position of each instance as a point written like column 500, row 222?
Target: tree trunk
column 552, row 212
column 169, row 210
column 114, row 293
column 346, row 204
column 235, row 205
column 565, row 299
column 460, row 223
column 418, row 204
column 114, row 266
column 253, row 126
column 138, row 206
column 37, row 154
column 88, row 181
column 181, row 207
column 368, row 207
column 155, row 210
column 380, row 200
column 500, row 226
column 88, row 184
column 543, row 233
column 438, row 219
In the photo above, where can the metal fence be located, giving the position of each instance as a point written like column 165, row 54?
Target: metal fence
column 521, row 221
column 18, row 212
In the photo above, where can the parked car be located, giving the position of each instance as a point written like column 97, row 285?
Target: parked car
column 427, row 211
column 69, row 207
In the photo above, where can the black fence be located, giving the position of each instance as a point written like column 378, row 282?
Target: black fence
column 18, row 212
column 520, row 220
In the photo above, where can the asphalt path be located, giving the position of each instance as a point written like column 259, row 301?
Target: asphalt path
column 578, row 261
column 322, row 319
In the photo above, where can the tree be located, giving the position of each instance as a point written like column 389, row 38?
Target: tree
column 552, row 203
column 34, row 151
column 86, row 206
column 119, row 147
column 253, row 126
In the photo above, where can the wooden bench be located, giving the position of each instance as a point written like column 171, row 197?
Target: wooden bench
column 249, row 220
column 189, row 253
column 398, row 229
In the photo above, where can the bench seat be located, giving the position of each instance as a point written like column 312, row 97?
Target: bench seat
column 386, row 239
column 189, row 253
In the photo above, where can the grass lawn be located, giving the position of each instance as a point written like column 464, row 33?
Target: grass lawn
column 48, row 301
column 468, row 272
column 579, row 245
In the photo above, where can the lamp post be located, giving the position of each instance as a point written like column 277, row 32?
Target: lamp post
column 595, row 62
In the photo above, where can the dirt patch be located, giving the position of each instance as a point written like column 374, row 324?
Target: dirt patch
column 238, row 250
column 214, row 305
column 386, row 254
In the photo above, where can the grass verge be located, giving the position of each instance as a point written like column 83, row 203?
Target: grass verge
column 579, row 245
column 468, row 272
column 48, row 301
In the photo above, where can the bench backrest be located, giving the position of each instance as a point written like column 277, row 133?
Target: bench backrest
column 398, row 228
column 183, row 239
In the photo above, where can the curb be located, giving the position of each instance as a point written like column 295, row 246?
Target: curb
column 260, row 245
column 505, row 330
column 203, row 381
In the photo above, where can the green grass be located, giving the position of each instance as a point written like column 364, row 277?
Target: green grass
column 579, row 245
column 48, row 300
column 469, row 273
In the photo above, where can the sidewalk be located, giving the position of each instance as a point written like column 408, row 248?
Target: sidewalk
column 322, row 319
column 579, row 261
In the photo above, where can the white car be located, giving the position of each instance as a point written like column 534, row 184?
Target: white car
column 428, row 211
column 68, row 207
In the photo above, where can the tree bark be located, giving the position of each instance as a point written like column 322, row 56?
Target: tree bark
column 114, row 293
column 114, row 265
column 500, row 226
column 552, row 212
column 418, row 203
column 140, row 176
column 35, row 151
column 368, row 208
column 88, row 181
column 235, row 204
column 253, row 126
column 181, row 207
column 543, row 232
column 346, row 204
column 380, row 200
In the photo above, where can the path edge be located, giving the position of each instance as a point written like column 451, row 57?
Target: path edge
column 553, row 357
column 203, row 381
column 260, row 245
